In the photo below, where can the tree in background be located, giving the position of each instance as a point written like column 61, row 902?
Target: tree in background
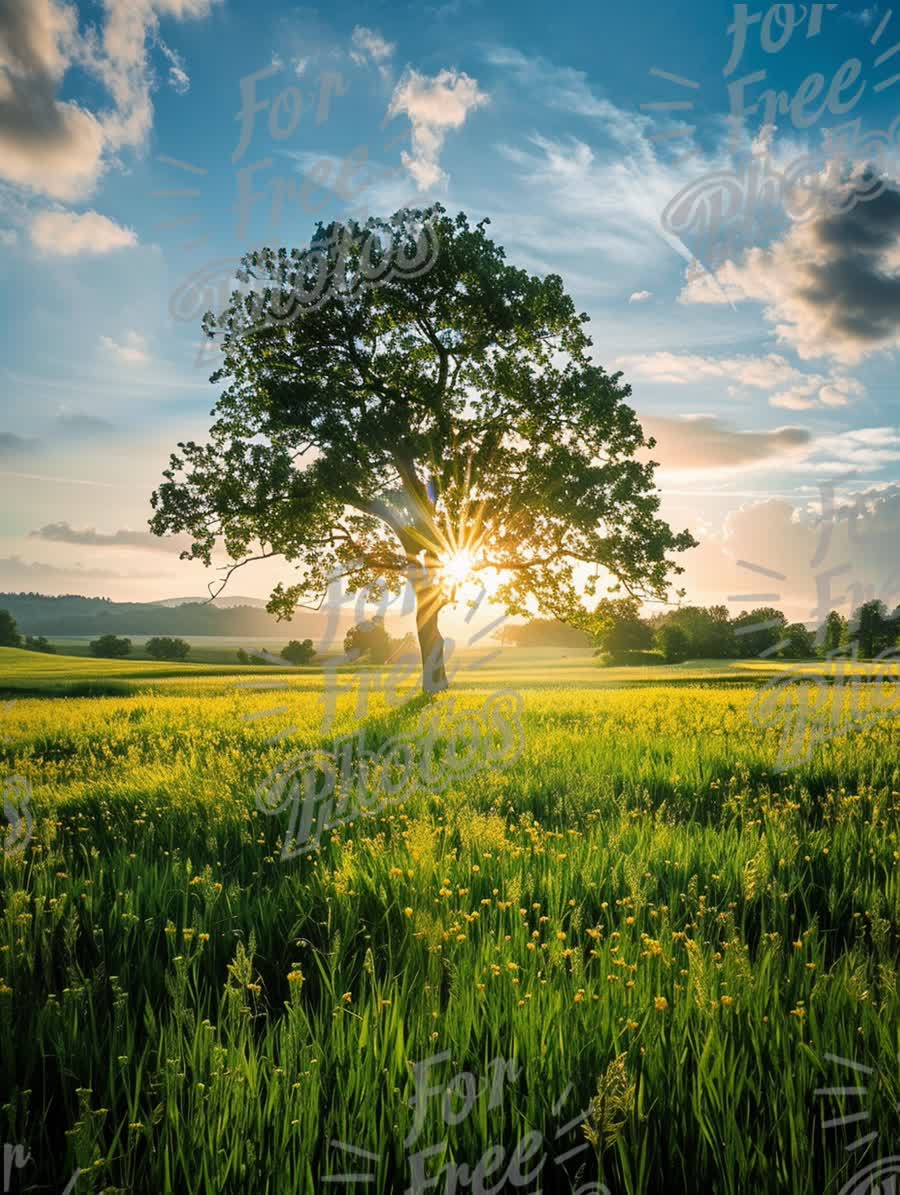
column 832, row 633
column 242, row 657
column 624, row 631
column 164, row 647
column 873, row 629
column 759, row 631
column 299, row 653
column 39, row 643
column 444, row 422
column 708, row 629
column 674, row 643
column 801, row 642
column 111, row 647
column 9, row 632
column 369, row 639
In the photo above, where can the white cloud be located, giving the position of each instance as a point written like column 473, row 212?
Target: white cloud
column 368, row 44
column 434, row 106
column 640, row 296
column 680, row 369
column 179, row 79
column 803, row 391
column 70, row 233
column 57, row 147
column 131, row 351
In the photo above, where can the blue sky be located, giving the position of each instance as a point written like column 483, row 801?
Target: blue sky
column 765, row 377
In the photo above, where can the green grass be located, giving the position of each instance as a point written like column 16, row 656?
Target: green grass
column 34, row 673
column 205, row 649
column 642, row 904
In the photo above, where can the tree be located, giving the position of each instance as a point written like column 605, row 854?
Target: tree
column 832, row 633
column 674, row 644
column 759, row 631
column 163, row 647
column 873, row 629
column 39, row 643
column 447, row 421
column 624, row 630
column 299, row 653
column 369, row 639
column 242, row 657
column 111, row 647
column 801, row 642
column 708, row 629
column 9, row 632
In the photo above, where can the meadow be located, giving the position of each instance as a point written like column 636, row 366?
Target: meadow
column 647, row 945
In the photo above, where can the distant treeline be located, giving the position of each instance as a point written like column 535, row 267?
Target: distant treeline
column 37, row 614
column 712, row 633
column 674, row 635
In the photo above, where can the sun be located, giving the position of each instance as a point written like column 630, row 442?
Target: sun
column 457, row 567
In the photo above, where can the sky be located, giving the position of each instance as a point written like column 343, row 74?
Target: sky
column 701, row 177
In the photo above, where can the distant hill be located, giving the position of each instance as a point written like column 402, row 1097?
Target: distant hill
column 224, row 603
column 71, row 614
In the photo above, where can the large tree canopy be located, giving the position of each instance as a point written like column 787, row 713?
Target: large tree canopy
column 443, row 420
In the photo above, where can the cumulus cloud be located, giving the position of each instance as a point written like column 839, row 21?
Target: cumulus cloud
column 833, row 551
column 836, row 391
column 56, row 147
column 132, row 350
column 830, row 286
column 434, row 106
column 640, row 296
column 685, row 368
column 63, row 533
column 71, row 233
column 797, row 391
column 50, row 145
column 692, row 442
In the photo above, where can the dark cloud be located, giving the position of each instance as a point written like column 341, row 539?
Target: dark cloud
column 46, row 144
column 831, row 286
column 705, row 442
column 17, row 574
column 13, row 445
column 62, row 533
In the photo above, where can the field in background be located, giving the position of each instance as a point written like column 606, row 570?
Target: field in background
column 514, row 667
column 205, row 649
column 641, row 909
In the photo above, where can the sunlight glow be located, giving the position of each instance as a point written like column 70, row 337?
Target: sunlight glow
column 458, row 567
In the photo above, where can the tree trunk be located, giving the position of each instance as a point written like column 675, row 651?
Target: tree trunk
column 431, row 641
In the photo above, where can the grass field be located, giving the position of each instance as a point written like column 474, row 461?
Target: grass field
column 640, row 925
column 205, row 649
